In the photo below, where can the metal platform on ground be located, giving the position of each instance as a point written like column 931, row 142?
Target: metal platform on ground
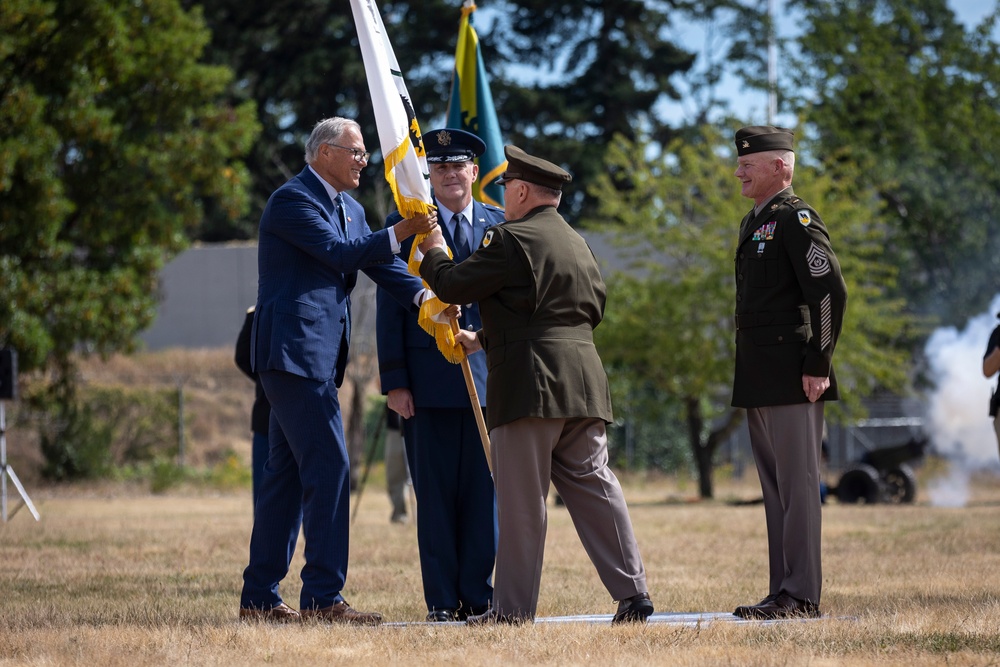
column 689, row 619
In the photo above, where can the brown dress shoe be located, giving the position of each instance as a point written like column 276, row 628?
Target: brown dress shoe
column 784, row 606
column 342, row 612
column 279, row 614
column 491, row 617
column 635, row 609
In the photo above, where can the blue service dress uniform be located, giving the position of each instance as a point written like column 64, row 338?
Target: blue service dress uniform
column 456, row 509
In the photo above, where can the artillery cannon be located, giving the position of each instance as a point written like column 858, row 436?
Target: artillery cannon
column 882, row 475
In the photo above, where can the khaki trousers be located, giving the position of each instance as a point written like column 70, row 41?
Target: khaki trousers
column 573, row 454
column 786, row 442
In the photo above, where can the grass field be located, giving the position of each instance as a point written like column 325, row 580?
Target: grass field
column 114, row 576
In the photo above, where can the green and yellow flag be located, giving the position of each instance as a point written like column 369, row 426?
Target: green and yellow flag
column 471, row 108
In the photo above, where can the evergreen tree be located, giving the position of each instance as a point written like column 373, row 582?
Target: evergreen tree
column 300, row 62
column 905, row 92
column 113, row 142
column 599, row 67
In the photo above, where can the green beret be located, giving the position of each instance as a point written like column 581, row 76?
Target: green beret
column 759, row 138
column 533, row 169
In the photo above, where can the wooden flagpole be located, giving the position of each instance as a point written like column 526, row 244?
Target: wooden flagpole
column 470, row 384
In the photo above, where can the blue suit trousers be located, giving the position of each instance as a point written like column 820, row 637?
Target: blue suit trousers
column 456, row 510
column 307, row 478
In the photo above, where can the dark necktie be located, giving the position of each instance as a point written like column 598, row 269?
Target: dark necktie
column 462, row 250
column 341, row 213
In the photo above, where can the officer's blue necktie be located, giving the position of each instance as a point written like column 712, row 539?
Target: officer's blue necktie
column 462, row 249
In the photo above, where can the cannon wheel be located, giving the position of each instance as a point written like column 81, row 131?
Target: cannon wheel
column 899, row 484
column 858, row 484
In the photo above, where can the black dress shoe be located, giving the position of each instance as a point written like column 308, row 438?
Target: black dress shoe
column 784, row 606
column 635, row 609
column 745, row 610
column 491, row 617
column 441, row 616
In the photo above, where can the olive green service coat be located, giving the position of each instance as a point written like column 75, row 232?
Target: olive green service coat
column 790, row 303
column 540, row 295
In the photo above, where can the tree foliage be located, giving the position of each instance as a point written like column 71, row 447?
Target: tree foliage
column 669, row 323
column 910, row 96
column 112, row 144
column 604, row 66
column 565, row 76
column 300, row 62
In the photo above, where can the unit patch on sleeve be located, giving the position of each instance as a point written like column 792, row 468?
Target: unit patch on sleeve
column 488, row 238
column 804, row 218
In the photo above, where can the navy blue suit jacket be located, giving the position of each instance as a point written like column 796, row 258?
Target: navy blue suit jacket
column 306, row 271
column 408, row 356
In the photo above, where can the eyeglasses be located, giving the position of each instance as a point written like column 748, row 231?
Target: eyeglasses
column 359, row 155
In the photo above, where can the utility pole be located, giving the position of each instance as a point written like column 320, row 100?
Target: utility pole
column 772, row 64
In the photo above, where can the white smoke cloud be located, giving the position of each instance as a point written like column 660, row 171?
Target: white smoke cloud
column 957, row 420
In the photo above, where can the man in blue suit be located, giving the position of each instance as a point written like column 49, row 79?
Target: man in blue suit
column 456, row 525
column 313, row 241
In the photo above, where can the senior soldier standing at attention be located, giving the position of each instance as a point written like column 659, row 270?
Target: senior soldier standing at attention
column 790, row 303
column 540, row 295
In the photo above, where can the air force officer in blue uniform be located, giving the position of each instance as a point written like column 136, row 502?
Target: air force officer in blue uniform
column 456, row 527
column 313, row 241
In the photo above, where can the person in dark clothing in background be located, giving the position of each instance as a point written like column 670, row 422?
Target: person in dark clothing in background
column 991, row 364
column 261, row 414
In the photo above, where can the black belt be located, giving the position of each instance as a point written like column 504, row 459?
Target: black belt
column 581, row 332
column 763, row 319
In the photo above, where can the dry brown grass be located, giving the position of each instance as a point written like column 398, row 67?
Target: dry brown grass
column 114, row 577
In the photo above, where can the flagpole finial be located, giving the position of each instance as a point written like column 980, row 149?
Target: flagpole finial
column 468, row 7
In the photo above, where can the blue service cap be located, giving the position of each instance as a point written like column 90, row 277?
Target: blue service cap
column 450, row 145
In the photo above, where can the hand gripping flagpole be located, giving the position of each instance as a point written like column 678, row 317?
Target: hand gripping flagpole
column 470, row 384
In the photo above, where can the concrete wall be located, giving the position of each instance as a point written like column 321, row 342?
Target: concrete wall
column 205, row 292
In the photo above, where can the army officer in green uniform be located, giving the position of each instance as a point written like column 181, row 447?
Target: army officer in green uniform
column 790, row 302
column 540, row 295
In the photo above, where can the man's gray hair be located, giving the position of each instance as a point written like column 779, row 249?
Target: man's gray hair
column 327, row 131
column 788, row 157
column 546, row 192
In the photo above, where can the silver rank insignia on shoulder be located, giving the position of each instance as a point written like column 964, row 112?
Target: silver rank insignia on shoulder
column 488, row 238
column 804, row 218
